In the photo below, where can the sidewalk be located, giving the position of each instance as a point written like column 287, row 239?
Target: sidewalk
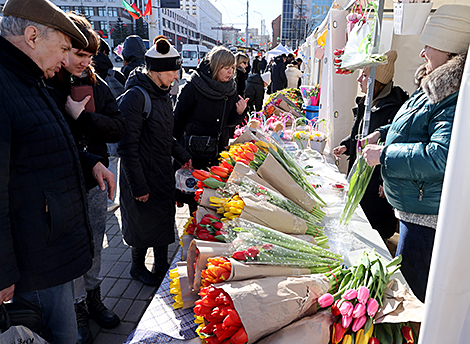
column 127, row 297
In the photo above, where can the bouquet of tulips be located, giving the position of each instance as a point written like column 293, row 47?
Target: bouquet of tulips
column 210, row 228
column 360, row 178
column 359, row 297
column 242, row 311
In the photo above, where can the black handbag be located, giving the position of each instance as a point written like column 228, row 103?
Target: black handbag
column 25, row 313
column 204, row 147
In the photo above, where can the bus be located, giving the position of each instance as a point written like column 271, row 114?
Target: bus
column 192, row 54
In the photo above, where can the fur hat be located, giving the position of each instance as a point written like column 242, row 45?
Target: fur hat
column 448, row 29
column 46, row 13
column 266, row 77
column 162, row 56
column 384, row 73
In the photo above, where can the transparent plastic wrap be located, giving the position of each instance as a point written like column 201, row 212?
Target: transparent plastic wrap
column 185, row 182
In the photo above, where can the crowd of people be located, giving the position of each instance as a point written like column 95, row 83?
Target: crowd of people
column 66, row 113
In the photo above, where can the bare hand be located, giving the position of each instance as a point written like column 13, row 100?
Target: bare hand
column 241, row 104
column 7, row 293
column 372, row 138
column 143, row 198
column 188, row 165
column 339, row 150
column 102, row 174
column 381, row 191
column 372, row 154
column 73, row 108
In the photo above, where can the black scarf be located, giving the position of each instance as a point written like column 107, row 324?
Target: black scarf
column 209, row 87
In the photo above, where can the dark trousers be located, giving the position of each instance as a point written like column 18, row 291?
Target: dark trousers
column 415, row 245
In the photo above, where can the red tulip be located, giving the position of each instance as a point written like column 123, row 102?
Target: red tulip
column 407, row 333
column 239, row 255
column 334, row 308
column 374, row 340
column 338, row 333
column 252, row 251
column 201, row 174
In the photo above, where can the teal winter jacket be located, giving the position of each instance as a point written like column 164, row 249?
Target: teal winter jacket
column 417, row 142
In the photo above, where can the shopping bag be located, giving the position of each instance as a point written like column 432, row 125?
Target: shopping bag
column 20, row 334
column 410, row 18
column 358, row 49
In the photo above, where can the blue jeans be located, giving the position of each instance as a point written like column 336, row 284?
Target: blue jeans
column 97, row 208
column 57, row 310
column 415, row 245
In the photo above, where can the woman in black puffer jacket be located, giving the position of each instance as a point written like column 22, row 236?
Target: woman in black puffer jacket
column 147, row 178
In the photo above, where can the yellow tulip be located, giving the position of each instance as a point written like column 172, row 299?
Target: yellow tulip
column 347, row 339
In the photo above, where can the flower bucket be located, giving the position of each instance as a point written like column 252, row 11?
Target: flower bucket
column 319, row 146
column 410, row 18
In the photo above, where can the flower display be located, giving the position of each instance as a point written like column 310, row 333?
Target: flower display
column 230, row 208
column 210, row 228
column 218, row 270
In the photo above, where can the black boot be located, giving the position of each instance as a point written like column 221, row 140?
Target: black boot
column 138, row 269
column 84, row 333
column 160, row 265
column 98, row 311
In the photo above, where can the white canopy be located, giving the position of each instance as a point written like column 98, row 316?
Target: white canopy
column 280, row 49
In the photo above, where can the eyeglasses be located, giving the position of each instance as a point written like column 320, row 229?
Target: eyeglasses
column 245, row 62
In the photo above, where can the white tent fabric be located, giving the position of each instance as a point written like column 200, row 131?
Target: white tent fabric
column 280, row 49
column 446, row 318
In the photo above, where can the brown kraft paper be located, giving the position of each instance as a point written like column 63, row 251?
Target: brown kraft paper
column 207, row 249
column 265, row 305
column 272, row 172
column 241, row 170
column 264, row 213
column 205, row 198
column 241, row 271
column 188, row 295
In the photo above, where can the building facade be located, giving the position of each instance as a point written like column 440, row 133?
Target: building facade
column 276, row 26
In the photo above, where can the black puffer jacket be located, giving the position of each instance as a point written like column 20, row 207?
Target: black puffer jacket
column 45, row 239
column 133, row 51
column 92, row 130
column 146, row 168
column 255, row 91
column 200, row 108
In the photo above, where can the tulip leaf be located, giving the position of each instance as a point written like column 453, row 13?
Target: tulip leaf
column 394, row 261
column 397, row 336
column 382, row 335
column 388, row 329
column 365, row 261
column 368, row 324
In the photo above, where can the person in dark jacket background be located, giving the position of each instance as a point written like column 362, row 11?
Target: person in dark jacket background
column 387, row 100
column 242, row 61
column 147, row 178
column 256, row 63
column 262, row 65
column 278, row 73
column 254, row 91
column 105, row 69
column 133, row 52
column 207, row 105
column 45, row 239
column 91, row 131
column 414, row 157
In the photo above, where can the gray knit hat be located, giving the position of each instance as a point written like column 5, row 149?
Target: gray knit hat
column 448, row 29
column 46, row 13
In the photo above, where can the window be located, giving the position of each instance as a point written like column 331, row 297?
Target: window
column 103, row 26
column 112, row 12
column 86, row 10
column 189, row 54
column 102, row 11
column 66, row 8
column 99, row 0
column 111, row 0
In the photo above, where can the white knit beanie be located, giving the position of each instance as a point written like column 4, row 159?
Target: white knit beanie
column 266, row 77
column 162, row 56
column 448, row 29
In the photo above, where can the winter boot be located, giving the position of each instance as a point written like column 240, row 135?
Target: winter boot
column 138, row 269
column 84, row 333
column 160, row 265
column 98, row 311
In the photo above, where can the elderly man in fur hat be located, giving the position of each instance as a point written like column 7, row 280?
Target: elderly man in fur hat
column 45, row 239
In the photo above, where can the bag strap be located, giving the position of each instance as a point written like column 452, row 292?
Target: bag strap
column 147, row 101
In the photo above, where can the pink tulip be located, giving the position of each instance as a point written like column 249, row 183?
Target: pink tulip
column 359, row 310
column 359, row 323
column 326, row 300
column 346, row 308
column 350, row 294
column 346, row 321
column 372, row 307
column 363, row 294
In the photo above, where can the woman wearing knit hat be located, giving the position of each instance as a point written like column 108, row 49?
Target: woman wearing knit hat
column 207, row 108
column 387, row 100
column 147, row 178
column 414, row 157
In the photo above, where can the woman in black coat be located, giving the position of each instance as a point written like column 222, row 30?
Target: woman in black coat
column 147, row 177
column 255, row 90
column 387, row 100
column 209, row 106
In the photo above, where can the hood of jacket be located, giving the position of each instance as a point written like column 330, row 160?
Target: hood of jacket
column 137, row 77
column 102, row 63
column 255, row 79
column 202, row 80
column 444, row 80
column 133, row 49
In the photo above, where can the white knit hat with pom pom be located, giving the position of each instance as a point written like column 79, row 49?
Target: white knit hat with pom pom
column 162, row 56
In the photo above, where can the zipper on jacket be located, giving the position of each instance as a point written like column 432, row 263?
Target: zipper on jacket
column 47, row 206
column 421, row 194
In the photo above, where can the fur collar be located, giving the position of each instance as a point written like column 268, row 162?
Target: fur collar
column 444, row 80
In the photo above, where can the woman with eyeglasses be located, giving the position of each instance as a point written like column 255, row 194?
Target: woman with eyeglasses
column 243, row 69
column 207, row 107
